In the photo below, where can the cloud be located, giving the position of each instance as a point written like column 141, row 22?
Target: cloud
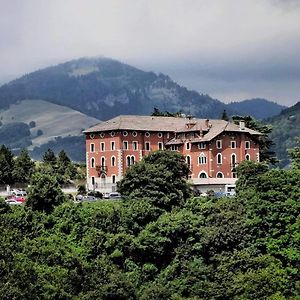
column 227, row 40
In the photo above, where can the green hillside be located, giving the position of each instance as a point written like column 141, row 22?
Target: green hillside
column 286, row 127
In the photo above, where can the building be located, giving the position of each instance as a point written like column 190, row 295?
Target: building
column 213, row 148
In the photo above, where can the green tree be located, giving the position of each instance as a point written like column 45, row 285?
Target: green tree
column 224, row 116
column 64, row 166
column 265, row 143
column 49, row 158
column 44, row 193
column 295, row 155
column 6, row 165
column 23, row 168
column 160, row 176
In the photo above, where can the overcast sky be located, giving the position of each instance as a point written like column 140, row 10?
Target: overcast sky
column 229, row 49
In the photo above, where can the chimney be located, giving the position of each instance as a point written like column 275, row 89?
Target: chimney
column 242, row 125
column 207, row 123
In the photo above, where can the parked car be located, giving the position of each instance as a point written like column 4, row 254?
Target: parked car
column 88, row 199
column 115, row 195
column 13, row 202
column 96, row 194
column 19, row 193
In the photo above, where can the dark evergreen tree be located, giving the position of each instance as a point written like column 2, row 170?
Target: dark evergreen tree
column 6, row 165
column 49, row 158
column 23, row 168
column 224, row 116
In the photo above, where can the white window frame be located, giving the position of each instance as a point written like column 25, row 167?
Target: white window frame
column 202, row 172
column 247, row 156
column 217, row 144
column 218, row 174
column 202, row 159
column 160, row 146
column 125, row 143
column 135, row 145
column 93, row 162
column 221, row 159
column 92, row 147
column 187, row 146
column 113, row 161
column 112, row 145
column 233, row 144
column 246, row 144
column 102, row 146
column 147, row 143
column 235, row 160
column 201, row 145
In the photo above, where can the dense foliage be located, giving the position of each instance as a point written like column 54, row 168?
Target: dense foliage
column 286, row 127
column 245, row 247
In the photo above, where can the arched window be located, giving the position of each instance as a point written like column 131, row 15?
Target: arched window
column 102, row 161
column 202, row 175
column 132, row 160
column 247, row 157
column 188, row 160
column 233, row 159
column 220, row 175
column 128, row 160
column 202, row 160
column 92, row 162
column 113, row 179
column 113, row 161
column 219, row 158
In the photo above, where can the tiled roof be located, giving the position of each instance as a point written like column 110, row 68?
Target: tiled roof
column 210, row 128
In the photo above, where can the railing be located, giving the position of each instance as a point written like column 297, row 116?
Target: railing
column 101, row 170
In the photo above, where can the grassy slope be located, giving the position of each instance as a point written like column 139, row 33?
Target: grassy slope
column 54, row 120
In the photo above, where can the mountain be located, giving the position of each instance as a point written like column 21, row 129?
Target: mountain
column 258, row 108
column 104, row 88
column 286, row 127
column 32, row 123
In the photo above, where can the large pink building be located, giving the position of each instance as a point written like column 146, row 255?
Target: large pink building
column 213, row 148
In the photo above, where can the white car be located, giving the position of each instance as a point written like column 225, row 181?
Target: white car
column 13, row 202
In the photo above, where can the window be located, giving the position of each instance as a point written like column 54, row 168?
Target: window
column 257, row 157
column 112, row 134
column 247, row 145
column 93, row 180
column 247, row 157
column 188, row 160
column 92, row 147
column 134, row 133
column 234, row 175
column 233, row 159
column 187, row 146
column 201, row 145
column 102, row 134
column 113, row 161
column 130, row 160
column 220, row 175
column 219, row 144
column 92, row 136
column 134, row 145
column 92, row 162
column 147, row 146
column 125, row 133
column 174, row 147
column 160, row 146
column 202, row 175
column 102, row 161
column 219, row 158
column 147, row 134
column 102, row 146
column 125, row 145
column 160, row 135
column 202, row 160
column 233, row 144
column 113, row 179
column 112, row 146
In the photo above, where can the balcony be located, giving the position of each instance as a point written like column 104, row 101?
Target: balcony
column 102, row 170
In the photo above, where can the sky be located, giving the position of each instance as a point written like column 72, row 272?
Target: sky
column 230, row 49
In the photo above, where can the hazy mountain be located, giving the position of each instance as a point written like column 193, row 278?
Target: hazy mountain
column 286, row 127
column 257, row 108
column 104, row 88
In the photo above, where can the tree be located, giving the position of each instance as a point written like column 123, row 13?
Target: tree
column 44, row 193
column 224, row 116
column 24, row 167
column 64, row 165
column 49, row 158
column 6, row 165
column 265, row 144
column 160, row 176
column 295, row 155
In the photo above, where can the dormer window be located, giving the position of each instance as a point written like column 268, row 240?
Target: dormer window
column 201, row 145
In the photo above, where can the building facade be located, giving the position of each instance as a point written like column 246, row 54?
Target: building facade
column 212, row 148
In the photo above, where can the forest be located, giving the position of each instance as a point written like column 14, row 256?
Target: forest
column 160, row 241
